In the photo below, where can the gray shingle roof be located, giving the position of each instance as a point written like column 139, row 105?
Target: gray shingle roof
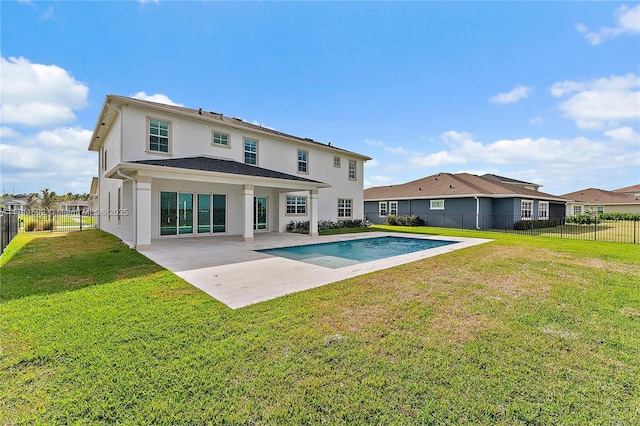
column 220, row 165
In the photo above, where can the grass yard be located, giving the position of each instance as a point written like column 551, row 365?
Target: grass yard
column 522, row 330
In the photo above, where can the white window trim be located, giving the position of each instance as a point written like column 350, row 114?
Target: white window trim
column 336, row 162
column 546, row 216
column 393, row 203
column 383, row 210
column 522, row 217
column 219, row 145
column 431, row 204
column 148, row 135
column 306, row 162
column 257, row 141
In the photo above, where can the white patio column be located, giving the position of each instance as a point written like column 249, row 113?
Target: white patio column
column 143, row 212
column 313, row 213
column 247, row 191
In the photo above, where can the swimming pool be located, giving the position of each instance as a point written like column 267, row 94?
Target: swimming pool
column 345, row 253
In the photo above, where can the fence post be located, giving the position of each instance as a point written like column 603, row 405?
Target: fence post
column 81, row 219
column 634, row 231
column 595, row 230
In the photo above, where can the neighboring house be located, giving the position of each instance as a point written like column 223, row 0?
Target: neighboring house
column 15, row 203
column 463, row 200
column 74, row 207
column 593, row 200
column 167, row 171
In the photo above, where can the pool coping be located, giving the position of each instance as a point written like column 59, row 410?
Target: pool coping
column 233, row 272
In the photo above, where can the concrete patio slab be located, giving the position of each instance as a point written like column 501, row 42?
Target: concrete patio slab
column 233, row 272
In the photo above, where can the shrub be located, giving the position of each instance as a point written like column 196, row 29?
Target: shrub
column 583, row 219
column 34, row 225
column 620, row 216
column 534, row 224
column 303, row 226
column 30, row 226
column 412, row 220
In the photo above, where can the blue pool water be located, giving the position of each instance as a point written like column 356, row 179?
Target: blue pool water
column 344, row 253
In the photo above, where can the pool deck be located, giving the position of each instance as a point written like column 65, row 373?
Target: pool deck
column 231, row 271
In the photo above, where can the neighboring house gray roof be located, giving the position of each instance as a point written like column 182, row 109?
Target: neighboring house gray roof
column 220, row 165
column 600, row 196
column 459, row 185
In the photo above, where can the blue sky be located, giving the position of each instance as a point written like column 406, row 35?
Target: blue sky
column 546, row 92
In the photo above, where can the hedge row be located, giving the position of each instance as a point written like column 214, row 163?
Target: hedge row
column 412, row 220
column 303, row 226
column 534, row 224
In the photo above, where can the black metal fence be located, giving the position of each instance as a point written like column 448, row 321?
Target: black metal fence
column 8, row 229
column 618, row 231
column 53, row 221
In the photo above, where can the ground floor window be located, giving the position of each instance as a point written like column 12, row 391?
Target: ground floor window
column 543, row 210
column 345, row 207
column 526, row 209
column 436, row 204
column 296, row 205
column 382, row 208
column 577, row 209
column 393, row 208
column 600, row 209
column 177, row 213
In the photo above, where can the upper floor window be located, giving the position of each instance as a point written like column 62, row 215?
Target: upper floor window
column 526, row 209
column 352, row 169
column 393, row 208
column 436, row 204
column 158, row 136
column 302, row 161
column 336, row 161
column 345, row 207
column 382, row 208
column 543, row 210
column 296, row 205
column 250, row 151
column 221, row 139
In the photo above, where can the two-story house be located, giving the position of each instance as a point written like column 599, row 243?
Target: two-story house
column 167, row 171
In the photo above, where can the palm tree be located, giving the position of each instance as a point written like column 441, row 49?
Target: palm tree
column 48, row 199
column 33, row 201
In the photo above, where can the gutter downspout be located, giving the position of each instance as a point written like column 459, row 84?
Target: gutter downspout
column 135, row 207
column 477, row 213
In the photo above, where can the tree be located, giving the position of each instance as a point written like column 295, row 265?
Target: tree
column 33, row 201
column 48, row 199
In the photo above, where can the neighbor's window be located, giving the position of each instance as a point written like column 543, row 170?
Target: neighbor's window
column 221, row 139
column 336, row 161
column 344, row 207
column 250, row 151
column 393, row 208
column 436, row 205
column 526, row 209
column 600, row 209
column 352, row 169
column 382, row 208
column 302, row 161
column 296, row 205
column 543, row 210
column 577, row 209
column 158, row 136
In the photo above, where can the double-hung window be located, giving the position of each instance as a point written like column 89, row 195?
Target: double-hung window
column 543, row 210
column 345, row 207
column 526, row 209
column 303, row 163
column 220, row 139
column 393, row 208
column 159, row 136
column 577, row 209
column 296, row 205
column 336, row 161
column 352, row 170
column 250, row 151
column 382, row 208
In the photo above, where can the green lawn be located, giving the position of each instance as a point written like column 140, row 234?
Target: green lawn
column 522, row 330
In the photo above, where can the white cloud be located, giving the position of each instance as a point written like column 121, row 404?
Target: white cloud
column 38, row 95
column 628, row 22
column 437, row 159
column 158, row 97
column 594, row 103
column 625, row 135
column 536, row 120
column 519, row 92
column 396, row 150
column 371, row 163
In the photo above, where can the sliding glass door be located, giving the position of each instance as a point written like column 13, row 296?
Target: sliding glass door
column 260, row 213
column 177, row 213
